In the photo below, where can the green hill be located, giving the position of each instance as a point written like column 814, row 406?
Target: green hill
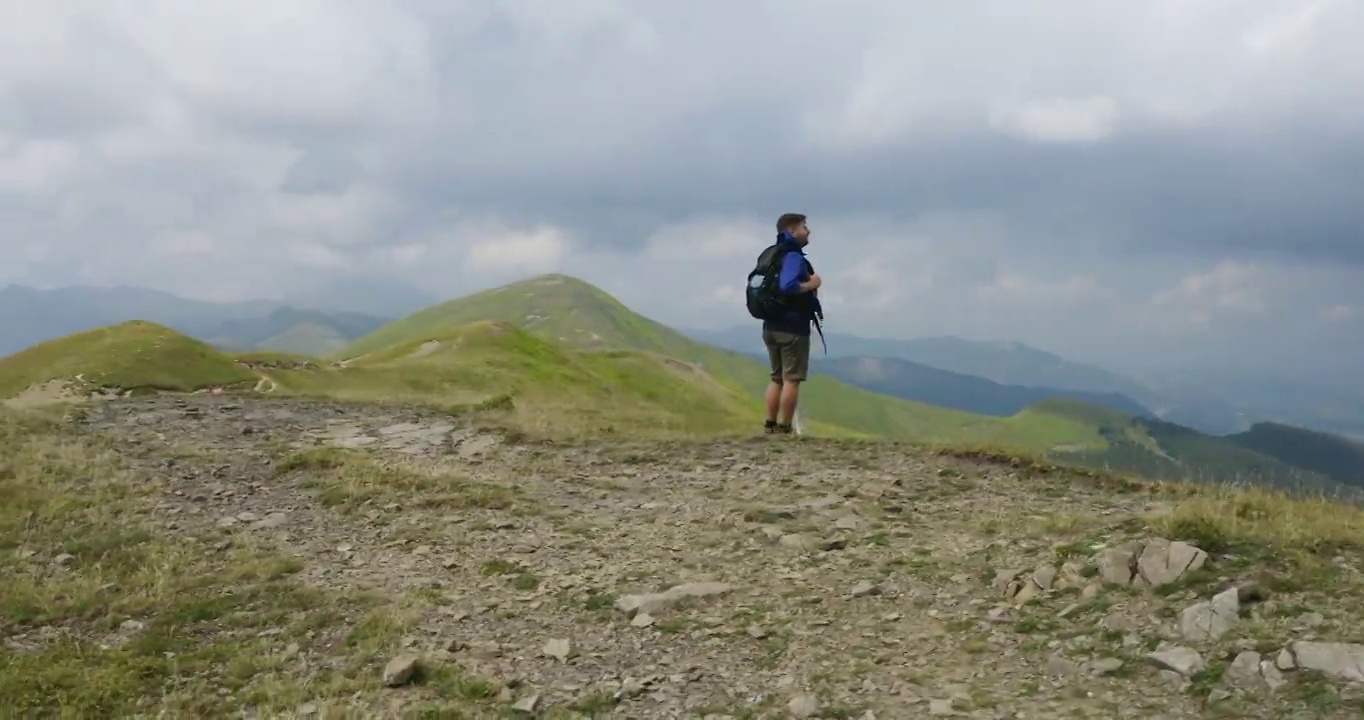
column 1155, row 448
column 128, row 356
column 569, row 311
column 1335, row 457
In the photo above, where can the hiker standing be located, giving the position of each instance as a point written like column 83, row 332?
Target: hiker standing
column 782, row 292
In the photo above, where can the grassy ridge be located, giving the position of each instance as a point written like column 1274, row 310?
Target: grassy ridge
column 546, row 385
column 569, row 311
column 128, row 356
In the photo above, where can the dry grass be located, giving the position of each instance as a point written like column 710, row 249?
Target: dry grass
column 1225, row 517
column 108, row 613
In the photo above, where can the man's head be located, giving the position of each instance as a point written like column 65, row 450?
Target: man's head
column 793, row 224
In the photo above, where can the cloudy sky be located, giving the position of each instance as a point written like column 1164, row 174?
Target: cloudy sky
column 1152, row 182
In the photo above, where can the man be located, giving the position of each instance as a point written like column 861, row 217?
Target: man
column 787, row 336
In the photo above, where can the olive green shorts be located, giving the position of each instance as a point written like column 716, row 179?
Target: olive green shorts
column 788, row 355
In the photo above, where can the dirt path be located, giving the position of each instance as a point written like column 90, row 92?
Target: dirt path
column 826, row 580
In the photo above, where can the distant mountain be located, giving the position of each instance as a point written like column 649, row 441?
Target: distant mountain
column 1333, row 407
column 1007, row 363
column 1158, row 449
column 1219, row 401
column 921, row 383
column 289, row 329
column 358, row 293
column 29, row 316
column 1340, row 459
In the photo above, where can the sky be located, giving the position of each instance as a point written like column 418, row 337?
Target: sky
column 1141, row 184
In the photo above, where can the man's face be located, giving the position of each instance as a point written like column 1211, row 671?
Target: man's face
column 801, row 233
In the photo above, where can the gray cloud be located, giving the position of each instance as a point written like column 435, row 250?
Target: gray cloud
column 1157, row 182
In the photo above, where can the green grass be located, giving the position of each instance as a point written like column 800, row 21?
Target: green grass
column 129, row 356
column 542, row 385
column 117, row 616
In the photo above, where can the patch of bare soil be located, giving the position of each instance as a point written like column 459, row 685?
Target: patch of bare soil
column 763, row 578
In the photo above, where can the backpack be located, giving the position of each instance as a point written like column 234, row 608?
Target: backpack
column 762, row 295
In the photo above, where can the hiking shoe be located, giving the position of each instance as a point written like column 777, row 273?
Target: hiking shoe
column 781, row 429
column 769, row 426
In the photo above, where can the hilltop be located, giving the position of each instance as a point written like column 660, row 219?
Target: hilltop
column 127, row 357
column 576, row 314
column 202, row 556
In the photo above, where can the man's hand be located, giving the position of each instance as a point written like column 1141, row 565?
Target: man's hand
column 812, row 284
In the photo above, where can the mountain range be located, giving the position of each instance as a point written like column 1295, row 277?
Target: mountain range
column 29, row 316
column 995, row 378
column 1217, row 401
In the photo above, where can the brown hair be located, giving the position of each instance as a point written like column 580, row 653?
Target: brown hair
column 789, row 221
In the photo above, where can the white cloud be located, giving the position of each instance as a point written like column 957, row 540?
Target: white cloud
column 182, row 244
column 535, row 250
column 711, row 239
column 1062, row 120
column 37, row 166
column 314, row 255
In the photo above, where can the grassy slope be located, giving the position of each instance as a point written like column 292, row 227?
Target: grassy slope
column 1332, row 456
column 574, row 312
column 551, row 387
column 132, row 355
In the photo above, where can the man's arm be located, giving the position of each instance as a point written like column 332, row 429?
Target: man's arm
column 792, row 279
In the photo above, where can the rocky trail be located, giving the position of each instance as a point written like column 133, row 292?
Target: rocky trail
column 747, row 578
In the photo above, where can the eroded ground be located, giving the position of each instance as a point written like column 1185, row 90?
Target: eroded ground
column 423, row 564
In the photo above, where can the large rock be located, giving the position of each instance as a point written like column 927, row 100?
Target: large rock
column 1150, row 564
column 655, row 603
column 1211, row 619
column 1180, row 659
column 1250, row 671
column 1118, row 565
column 1343, row 661
column 401, row 670
column 1162, row 562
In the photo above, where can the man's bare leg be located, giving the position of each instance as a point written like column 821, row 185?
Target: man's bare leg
column 790, row 395
column 773, row 399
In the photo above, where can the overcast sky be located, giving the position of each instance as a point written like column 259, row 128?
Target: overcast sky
column 1155, row 181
